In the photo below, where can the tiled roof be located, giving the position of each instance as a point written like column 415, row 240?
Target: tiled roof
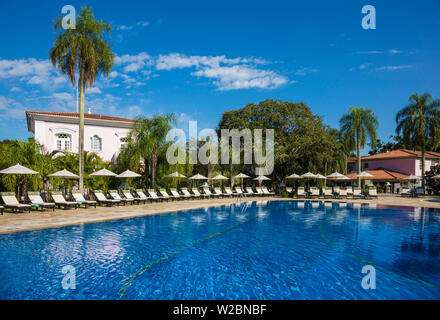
column 380, row 174
column 76, row 115
column 402, row 153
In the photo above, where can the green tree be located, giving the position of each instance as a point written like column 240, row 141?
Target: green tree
column 301, row 138
column 146, row 141
column 358, row 126
column 419, row 122
column 82, row 48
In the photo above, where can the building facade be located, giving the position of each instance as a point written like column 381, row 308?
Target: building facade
column 59, row 131
column 402, row 161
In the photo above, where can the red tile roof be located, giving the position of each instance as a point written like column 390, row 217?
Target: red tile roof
column 76, row 115
column 380, row 174
column 401, row 153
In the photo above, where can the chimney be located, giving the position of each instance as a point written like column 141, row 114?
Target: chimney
column 89, row 111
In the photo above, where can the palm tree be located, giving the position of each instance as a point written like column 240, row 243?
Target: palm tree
column 358, row 125
column 145, row 141
column 86, row 49
column 419, row 121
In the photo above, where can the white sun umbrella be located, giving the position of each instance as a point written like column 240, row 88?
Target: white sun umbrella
column 260, row 179
column 335, row 175
column 293, row 176
column 436, row 177
column 320, row 176
column 176, row 175
column 64, row 174
column 308, row 175
column 241, row 176
column 412, row 177
column 18, row 169
column 219, row 177
column 364, row 175
column 198, row 177
column 128, row 174
column 103, row 173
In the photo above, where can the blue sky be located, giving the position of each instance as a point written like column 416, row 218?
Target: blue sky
column 200, row 58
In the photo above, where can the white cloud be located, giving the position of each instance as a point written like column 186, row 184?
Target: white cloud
column 394, row 68
column 302, row 71
column 10, row 108
column 228, row 74
column 139, row 24
column 93, row 90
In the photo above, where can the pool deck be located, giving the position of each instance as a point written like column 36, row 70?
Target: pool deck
column 14, row 222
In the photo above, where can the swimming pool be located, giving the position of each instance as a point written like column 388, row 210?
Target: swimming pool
column 249, row 250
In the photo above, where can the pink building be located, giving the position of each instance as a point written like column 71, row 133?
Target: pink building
column 103, row 135
column 401, row 161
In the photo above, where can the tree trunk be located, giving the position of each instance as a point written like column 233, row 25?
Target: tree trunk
column 358, row 153
column 81, row 133
column 153, row 167
column 423, row 165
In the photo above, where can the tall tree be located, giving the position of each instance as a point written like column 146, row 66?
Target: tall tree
column 83, row 48
column 419, row 122
column 145, row 142
column 358, row 126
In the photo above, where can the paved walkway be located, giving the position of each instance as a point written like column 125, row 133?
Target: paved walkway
column 48, row 219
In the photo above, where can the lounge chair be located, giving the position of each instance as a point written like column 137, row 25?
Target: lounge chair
column 37, row 201
column 357, row 193
column 267, row 192
column 127, row 194
column 289, row 190
column 219, row 193
column 198, row 194
column 102, row 199
column 165, row 194
column 419, row 192
column 153, row 195
column 79, row 198
column 372, row 193
column 314, row 192
column 260, row 192
column 208, row 192
column 175, row 194
column 60, row 201
column 239, row 192
column 405, row 192
column 301, row 192
column 336, row 191
column 186, row 193
column 115, row 195
column 229, row 192
column 141, row 195
column 328, row 193
column 349, row 191
column 342, row 193
column 11, row 202
column 249, row 191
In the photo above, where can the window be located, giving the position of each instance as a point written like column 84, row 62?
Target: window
column 365, row 166
column 123, row 142
column 95, row 143
column 63, row 141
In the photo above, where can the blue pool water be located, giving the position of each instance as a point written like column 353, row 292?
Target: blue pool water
column 263, row 250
